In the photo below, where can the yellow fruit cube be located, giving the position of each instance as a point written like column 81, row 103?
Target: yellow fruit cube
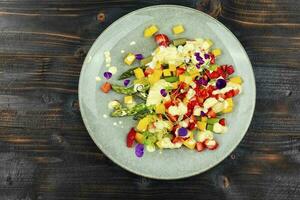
column 167, row 72
column 143, row 124
column 150, row 31
column 128, row 100
column 182, row 78
column 139, row 138
column 190, row 143
column 178, row 29
column 188, row 80
column 236, row 79
column 175, row 85
column 160, row 109
column 216, row 52
column 129, row 59
column 230, row 102
column 227, row 110
column 139, row 73
column 201, row 125
column 207, row 44
column 203, row 119
column 172, row 67
column 159, row 144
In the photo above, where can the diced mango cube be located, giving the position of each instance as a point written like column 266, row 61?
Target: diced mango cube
column 139, row 138
column 201, row 125
column 190, row 143
column 143, row 124
column 151, row 30
column 203, row 119
column 178, row 29
column 182, row 78
column 128, row 100
column 172, row 67
column 188, row 80
column 167, row 72
column 207, row 44
column 139, row 73
column 236, row 79
column 129, row 59
column 175, row 85
column 160, row 108
column 227, row 110
column 230, row 102
column 216, row 52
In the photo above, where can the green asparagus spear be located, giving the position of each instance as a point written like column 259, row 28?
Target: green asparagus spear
column 129, row 73
column 128, row 111
column 123, row 90
column 141, row 95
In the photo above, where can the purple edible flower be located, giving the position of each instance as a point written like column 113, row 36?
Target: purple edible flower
column 107, row 75
column 201, row 61
column 202, row 113
column 221, row 83
column 202, row 81
column 198, row 65
column 139, row 56
column 182, row 132
column 163, row 92
column 206, row 56
column 126, row 82
column 139, row 150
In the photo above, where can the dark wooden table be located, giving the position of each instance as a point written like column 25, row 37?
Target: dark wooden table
column 45, row 150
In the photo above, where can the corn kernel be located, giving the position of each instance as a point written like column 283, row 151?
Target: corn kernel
column 236, row 80
column 128, row 100
column 167, row 72
column 216, row 52
column 150, row 31
column 139, row 73
column 178, row 29
column 129, row 59
column 201, row 125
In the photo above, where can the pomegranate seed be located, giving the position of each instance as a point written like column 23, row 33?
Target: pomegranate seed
column 230, row 70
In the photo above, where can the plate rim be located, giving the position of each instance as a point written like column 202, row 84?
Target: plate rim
column 85, row 121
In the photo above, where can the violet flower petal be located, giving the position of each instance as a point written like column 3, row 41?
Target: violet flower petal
column 139, row 150
column 163, row 92
column 107, row 75
column 139, row 56
column 126, row 82
column 182, row 132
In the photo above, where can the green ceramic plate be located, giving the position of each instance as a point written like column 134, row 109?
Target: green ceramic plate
column 110, row 136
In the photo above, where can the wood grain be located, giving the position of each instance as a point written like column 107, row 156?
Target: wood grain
column 45, row 150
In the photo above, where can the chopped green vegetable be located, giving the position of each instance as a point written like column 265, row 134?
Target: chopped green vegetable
column 180, row 41
column 146, row 60
column 171, row 79
column 213, row 120
column 210, row 127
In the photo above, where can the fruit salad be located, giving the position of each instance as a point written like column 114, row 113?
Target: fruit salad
column 178, row 95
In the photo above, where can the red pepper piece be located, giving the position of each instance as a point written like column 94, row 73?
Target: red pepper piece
column 212, row 59
column 222, row 122
column 177, row 139
column 200, row 146
column 211, row 114
column 211, row 144
column 162, row 39
column 131, row 137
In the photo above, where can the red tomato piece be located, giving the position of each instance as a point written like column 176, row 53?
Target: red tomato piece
column 180, row 71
